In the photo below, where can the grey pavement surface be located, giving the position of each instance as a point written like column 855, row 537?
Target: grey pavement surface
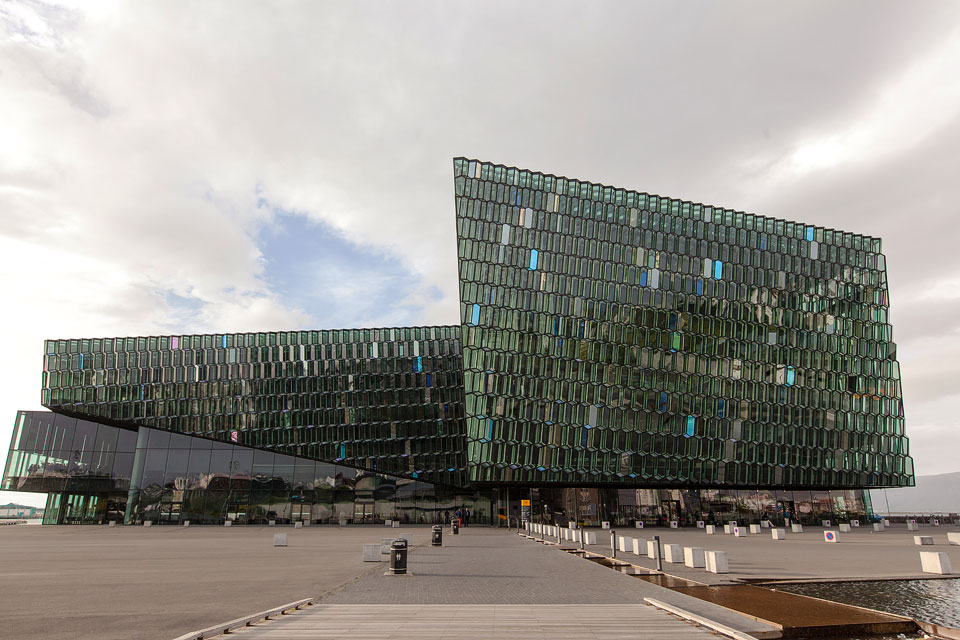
column 490, row 566
column 861, row 554
column 469, row 622
column 85, row 582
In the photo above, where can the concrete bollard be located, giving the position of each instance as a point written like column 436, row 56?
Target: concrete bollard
column 755, row 528
column 297, row 525
column 921, row 540
column 279, row 539
column 572, row 524
column 271, row 523
column 796, row 528
column 605, row 525
column 710, row 529
column 112, row 523
column 371, row 552
column 591, row 537
column 953, row 538
column 716, row 562
column 700, row 524
column 148, row 523
column 306, row 523
column 886, row 522
column 825, row 523
column 622, row 543
column 652, row 549
column 673, row 553
column 778, row 534
column 694, row 557
column 638, row 546
column 844, row 528
column 396, row 523
column 228, row 523
column 638, row 524
column 855, row 523
column 186, row 523
column 674, row 524
column 740, row 532
column 727, row 528
column 912, row 525
column 935, row 562
column 936, row 522
column 765, row 524
column 878, row 526
column 385, row 545
column 388, row 523
column 830, row 536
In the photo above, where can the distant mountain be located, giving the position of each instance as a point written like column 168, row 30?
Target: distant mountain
column 932, row 493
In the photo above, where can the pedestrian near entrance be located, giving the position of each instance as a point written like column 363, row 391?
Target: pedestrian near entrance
column 459, row 516
column 466, row 516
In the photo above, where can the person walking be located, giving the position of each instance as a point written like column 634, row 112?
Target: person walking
column 459, row 516
column 466, row 516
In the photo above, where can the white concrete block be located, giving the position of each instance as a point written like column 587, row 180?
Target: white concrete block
column 388, row 523
column 297, row 525
column 740, row 532
column 886, row 522
column 605, row 524
column 371, row 552
column 936, row 522
column 572, row 524
column 878, row 526
column 280, row 540
column 844, row 528
column 674, row 524
column 854, row 523
column 830, row 536
column 700, row 524
column 796, row 528
column 755, row 528
column 306, row 523
column 825, row 523
column 228, row 523
column 953, row 538
column 112, row 523
column 710, row 529
column 673, row 553
column 385, row 545
column 716, row 562
column 694, row 557
column 923, row 540
column 652, row 549
column 148, row 523
column 778, row 534
column 728, row 528
column 396, row 523
column 591, row 537
column 935, row 562
column 765, row 524
column 912, row 525
column 638, row 524
column 638, row 546
column 621, row 543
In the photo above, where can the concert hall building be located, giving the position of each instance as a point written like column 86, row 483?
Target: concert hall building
column 620, row 356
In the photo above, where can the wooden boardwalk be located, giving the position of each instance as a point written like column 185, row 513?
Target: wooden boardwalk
column 468, row 622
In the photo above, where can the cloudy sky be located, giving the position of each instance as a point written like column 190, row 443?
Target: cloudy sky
column 181, row 167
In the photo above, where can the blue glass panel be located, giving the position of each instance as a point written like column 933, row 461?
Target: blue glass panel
column 719, row 407
column 791, row 376
column 489, row 429
column 224, row 342
column 691, row 423
column 533, row 259
column 418, row 364
column 662, row 405
column 643, row 278
column 699, row 287
column 475, row 319
column 763, row 242
column 810, row 234
column 718, row 269
column 428, row 380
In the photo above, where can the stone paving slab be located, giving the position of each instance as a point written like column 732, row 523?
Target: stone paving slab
column 469, row 622
column 489, row 566
column 860, row 554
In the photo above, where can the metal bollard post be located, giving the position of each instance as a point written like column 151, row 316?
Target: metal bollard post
column 581, row 538
column 558, row 534
column 656, row 540
column 613, row 542
column 455, row 526
column 398, row 557
column 437, row 539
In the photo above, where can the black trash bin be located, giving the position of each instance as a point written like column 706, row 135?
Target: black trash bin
column 398, row 556
column 455, row 526
column 437, row 539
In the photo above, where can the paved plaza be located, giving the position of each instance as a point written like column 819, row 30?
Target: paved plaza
column 161, row 582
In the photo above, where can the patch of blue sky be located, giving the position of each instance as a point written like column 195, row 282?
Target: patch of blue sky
column 312, row 266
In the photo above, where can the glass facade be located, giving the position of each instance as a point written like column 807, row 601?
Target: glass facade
column 620, row 356
column 98, row 473
column 612, row 336
column 387, row 400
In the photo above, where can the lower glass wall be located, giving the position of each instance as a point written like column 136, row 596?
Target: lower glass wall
column 660, row 507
